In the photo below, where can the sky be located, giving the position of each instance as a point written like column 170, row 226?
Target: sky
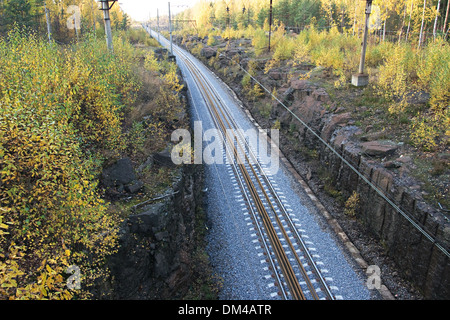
column 141, row 10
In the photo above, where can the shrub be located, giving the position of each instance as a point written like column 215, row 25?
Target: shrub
column 330, row 49
column 424, row 133
column 377, row 54
column 395, row 77
column 246, row 81
column 260, row 42
column 265, row 108
column 60, row 111
column 284, row 49
column 352, row 204
column 433, row 73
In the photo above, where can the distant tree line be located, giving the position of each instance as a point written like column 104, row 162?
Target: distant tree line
column 402, row 17
column 44, row 16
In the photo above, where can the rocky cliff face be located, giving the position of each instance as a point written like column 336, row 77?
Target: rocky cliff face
column 416, row 256
column 380, row 161
column 158, row 242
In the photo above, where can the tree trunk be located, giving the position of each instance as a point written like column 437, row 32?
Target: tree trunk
column 93, row 16
column 423, row 20
column 47, row 18
column 446, row 16
column 403, row 24
column 409, row 22
column 435, row 20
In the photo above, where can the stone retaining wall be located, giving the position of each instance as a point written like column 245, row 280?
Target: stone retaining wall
column 157, row 244
column 419, row 259
column 416, row 256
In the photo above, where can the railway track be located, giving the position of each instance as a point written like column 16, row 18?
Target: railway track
column 296, row 273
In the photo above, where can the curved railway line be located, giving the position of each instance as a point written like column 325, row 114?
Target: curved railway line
column 297, row 275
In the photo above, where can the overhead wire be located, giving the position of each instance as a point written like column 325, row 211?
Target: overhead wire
column 353, row 168
column 417, row 225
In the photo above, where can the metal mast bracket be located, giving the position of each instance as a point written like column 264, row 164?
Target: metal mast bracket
column 107, row 1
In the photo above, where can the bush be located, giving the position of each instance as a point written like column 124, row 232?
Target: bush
column 329, row 49
column 352, row 205
column 211, row 40
column 376, row 55
column 246, row 82
column 284, row 49
column 260, row 42
column 395, row 77
column 60, row 112
column 407, row 72
column 434, row 73
column 424, row 133
column 140, row 36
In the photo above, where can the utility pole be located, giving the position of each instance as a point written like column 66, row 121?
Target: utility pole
column 270, row 22
column 105, row 8
column 361, row 79
column 157, row 22
column 47, row 18
column 446, row 17
column 76, row 28
column 93, row 19
column 170, row 31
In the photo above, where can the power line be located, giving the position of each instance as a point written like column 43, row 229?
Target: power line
column 380, row 193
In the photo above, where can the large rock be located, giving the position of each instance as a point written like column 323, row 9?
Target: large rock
column 161, row 53
column 164, row 158
column 321, row 95
column 379, row 148
column 302, row 89
column 300, row 84
column 233, row 52
column 157, row 244
column 208, row 52
column 335, row 121
column 120, row 173
column 149, row 221
column 276, row 74
column 120, row 179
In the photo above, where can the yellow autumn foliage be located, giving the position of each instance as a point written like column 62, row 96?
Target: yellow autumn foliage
column 60, row 110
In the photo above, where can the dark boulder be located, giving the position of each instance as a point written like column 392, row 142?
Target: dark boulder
column 120, row 179
column 120, row 173
column 208, row 52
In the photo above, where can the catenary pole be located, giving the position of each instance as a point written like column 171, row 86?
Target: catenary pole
column 170, row 31
column 270, row 22
column 47, row 18
column 157, row 22
column 366, row 32
column 105, row 9
column 361, row 79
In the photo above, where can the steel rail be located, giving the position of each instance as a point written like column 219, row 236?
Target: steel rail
column 284, row 213
column 282, row 259
column 225, row 114
column 265, row 215
column 254, row 214
column 222, row 118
